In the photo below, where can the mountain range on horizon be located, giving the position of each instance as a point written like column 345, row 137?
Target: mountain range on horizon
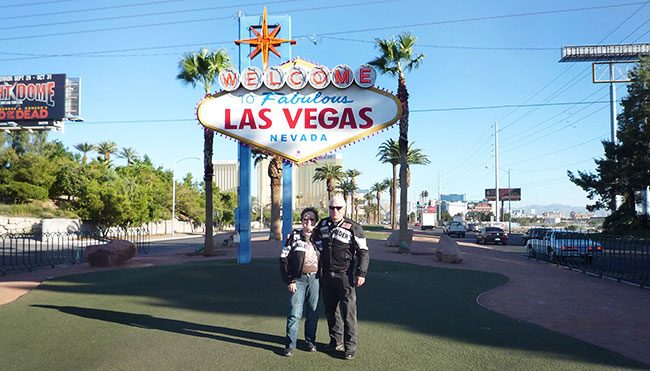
column 564, row 209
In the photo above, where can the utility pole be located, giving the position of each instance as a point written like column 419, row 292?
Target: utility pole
column 496, row 169
column 439, row 206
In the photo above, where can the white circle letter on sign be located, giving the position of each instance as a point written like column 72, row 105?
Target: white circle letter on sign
column 365, row 76
column 251, row 78
column 274, row 78
column 319, row 77
column 229, row 79
column 342, row 76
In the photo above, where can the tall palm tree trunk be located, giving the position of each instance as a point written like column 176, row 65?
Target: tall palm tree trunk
column 208, row 136
column 275, row 173
column 393, row 199
column 403, row 95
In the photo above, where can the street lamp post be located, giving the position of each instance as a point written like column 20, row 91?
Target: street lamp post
column 509, row 207
column 174, row 188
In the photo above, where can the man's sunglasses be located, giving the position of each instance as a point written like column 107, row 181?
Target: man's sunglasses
column 336, row 207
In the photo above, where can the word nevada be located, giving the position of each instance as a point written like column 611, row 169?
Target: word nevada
column 297, row 77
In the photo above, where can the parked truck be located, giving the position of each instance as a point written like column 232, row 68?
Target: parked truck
column 427, row 220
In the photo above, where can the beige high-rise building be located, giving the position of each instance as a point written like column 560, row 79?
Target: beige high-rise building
column 309, row 192
column 306, row 192
column 226, row 175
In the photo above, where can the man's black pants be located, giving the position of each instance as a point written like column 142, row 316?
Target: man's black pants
column 339, row 293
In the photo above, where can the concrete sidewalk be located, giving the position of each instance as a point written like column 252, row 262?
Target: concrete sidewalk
column 600, row 311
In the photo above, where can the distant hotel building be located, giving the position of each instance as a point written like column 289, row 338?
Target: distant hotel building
column 309, row 192
column 226, row 175
column 306, row 192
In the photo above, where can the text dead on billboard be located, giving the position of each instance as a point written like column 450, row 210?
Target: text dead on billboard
column 505, row 194
column 32, row 97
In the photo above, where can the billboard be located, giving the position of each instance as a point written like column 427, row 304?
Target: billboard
column 505, row 194
column 479, row 207
column 32, row 98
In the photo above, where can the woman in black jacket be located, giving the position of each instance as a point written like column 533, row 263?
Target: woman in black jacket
column 300, row 271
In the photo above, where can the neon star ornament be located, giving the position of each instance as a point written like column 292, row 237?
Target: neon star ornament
column 265, row 42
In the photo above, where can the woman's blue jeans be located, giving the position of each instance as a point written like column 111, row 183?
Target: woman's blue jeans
column 306, row 293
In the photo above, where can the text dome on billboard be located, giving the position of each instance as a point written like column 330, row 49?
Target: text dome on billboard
column 299, row 110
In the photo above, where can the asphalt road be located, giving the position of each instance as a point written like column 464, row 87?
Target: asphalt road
column 515, row 241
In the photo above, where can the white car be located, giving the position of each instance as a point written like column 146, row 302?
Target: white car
column 556, row 244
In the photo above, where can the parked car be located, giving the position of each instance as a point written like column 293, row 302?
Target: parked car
column 556, row 244
column 533, row 233
column 457, row 229
column 494, row 235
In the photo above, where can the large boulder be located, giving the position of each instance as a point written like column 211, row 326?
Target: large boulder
column 393, row 239
column 448, row 250
column 116, row 252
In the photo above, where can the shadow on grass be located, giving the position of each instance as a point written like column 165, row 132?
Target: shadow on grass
column 146, row 321
column 436, row 302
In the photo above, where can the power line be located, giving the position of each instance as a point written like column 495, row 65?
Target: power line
column 535, row 139
column 555, row 168
column 90, row 9
column 600, row 137
column 567, row 69
column 39, row 3
column 177, row 22
column 448, row 46
column 146, row 14
column 462, row 20
column 506, row 106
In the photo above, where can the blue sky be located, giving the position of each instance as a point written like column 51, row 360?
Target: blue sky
column 478, row 54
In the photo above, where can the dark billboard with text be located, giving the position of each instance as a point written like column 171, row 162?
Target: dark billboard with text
column 32, row 97
column 505, row 194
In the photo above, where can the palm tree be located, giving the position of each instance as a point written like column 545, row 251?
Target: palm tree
column 389, row 153
column 331, row 174
column 347, row 188
column 106, row 149
column 84, row 148
column 129, row 154
column 414, row 157
column 274, row 172
column 378, row 188
column 352, row 174
column 368, row 197
column 388, row 184
column 202, row 68
column 396, row 57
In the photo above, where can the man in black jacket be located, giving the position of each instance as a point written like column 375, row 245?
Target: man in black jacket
column 340, row 241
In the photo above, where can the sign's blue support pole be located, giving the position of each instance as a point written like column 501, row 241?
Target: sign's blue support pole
column 244, row 249
column 243, row 214
column 287, row 197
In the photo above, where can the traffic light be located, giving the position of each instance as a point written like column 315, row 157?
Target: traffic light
column 418, row 204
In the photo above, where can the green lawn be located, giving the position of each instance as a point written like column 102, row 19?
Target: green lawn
column 220, row 315
column 376, row 232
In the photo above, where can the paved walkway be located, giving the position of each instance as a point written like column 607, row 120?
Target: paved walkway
column 600, row 311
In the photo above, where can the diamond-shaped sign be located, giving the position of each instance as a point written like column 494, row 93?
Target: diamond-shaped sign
column 299, row 125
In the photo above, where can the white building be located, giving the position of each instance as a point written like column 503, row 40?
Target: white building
column 226, row 175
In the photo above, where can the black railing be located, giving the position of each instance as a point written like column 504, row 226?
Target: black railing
column 27, row 251
column 623, row 258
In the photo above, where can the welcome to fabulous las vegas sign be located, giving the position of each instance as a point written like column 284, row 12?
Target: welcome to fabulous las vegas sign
column 299, row 110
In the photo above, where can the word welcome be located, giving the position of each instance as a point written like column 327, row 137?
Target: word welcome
column 297, row 77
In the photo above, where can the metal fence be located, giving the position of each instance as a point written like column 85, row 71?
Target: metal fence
column 26, row 251
column 623, row 258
